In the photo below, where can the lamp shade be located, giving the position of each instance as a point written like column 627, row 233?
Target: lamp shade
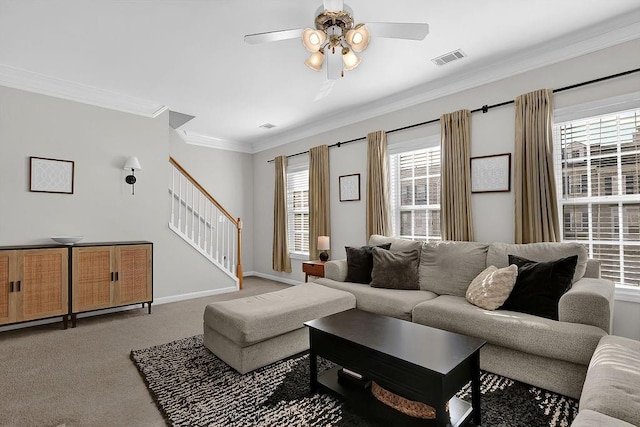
column 350, row 59
column 132, row 163
column 313, row 39
column 323, row 243
column 358, row 38
column 315, row 61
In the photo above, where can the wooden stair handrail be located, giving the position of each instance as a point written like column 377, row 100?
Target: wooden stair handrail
column 203, row 191
column 235, row 221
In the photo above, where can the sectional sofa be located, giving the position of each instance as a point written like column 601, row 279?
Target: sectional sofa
column 551, row 354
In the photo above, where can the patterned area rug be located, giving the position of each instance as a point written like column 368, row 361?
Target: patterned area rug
column 192, row 387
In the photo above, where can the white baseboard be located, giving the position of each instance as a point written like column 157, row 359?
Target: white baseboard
column 192, row 295
column 274, row 278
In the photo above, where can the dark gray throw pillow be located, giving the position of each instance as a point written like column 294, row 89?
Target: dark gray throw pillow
column 540, row 285
column 360, row 263
column 395, row 270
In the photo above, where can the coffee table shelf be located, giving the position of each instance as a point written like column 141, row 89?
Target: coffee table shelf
column 363, row 401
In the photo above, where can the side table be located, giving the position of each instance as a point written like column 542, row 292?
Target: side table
column 313, row 268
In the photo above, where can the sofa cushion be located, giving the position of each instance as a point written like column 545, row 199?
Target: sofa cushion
column 395, row 270
column 571, row 342
column 447, row 268
column 360, row 263
column 387, row 302
column 540, row 285
column 256, row 318
column 397, row 245
column 491, row 288
column 612, row 386
column 498, row 254
column 587, row 418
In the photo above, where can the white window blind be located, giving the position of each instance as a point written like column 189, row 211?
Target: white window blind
column 298, row 211
column 415, row 194
column 598, row 164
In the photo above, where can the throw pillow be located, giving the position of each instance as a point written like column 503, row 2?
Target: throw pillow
column 491, row 288
column 360, row 263
column 395, row 270
column 540, row 285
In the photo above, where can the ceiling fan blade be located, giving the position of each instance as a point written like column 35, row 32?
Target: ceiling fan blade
column 394, row 30
column 333, row 5
column 273, row 36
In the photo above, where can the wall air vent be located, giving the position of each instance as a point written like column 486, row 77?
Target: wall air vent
column 267, row 126
column 449, row 57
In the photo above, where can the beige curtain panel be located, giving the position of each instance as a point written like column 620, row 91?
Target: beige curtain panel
column 280, row 257
column 378, row 217
column 319, row 205
column 536, row 212
column 455, row 198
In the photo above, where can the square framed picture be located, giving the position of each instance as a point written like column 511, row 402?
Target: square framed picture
column 491, row 174
column 349, row 187
column 51, row 175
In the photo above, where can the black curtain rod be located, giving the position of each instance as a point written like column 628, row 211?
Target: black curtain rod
column 484, row 109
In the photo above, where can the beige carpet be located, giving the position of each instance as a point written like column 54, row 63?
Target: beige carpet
column 83, row 376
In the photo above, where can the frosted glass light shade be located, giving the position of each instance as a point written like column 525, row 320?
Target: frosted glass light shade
column 313, row 39
column 350, row 59
column 358, row 38
column 132, row 163
column 323, row 243
column 315, row 61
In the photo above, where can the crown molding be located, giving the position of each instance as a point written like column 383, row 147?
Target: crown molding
column 194, row 138
column 609, row 33
column 30, row 81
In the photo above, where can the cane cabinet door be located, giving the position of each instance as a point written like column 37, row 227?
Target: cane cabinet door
column 43, row 283
column 7, row 284
column 134, row 274
column 92, row 278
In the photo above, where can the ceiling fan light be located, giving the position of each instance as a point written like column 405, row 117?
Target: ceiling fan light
column 313, row 39
column 350, row 59
column 315, row 61
column 358, row 38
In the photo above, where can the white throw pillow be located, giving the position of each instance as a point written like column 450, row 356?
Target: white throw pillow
column 491, row 288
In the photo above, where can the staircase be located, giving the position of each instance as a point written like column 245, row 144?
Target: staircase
column 204, row 224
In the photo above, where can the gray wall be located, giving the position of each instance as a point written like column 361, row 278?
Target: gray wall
column 492, row 133
column 102, row 207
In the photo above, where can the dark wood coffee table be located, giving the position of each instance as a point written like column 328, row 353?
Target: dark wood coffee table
column 414, row 361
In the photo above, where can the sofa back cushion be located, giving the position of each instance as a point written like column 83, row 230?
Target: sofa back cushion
column 498, row 254
column 447, row 268
column 397, row 245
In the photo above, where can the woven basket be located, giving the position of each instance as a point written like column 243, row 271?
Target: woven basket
column 404, row 405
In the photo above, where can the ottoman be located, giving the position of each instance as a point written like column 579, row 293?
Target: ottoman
column 252, row 332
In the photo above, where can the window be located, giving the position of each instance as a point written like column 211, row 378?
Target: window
column 599, row 202
column 298, row 211
column 415, row 194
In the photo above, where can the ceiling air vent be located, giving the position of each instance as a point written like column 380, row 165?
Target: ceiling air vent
column 267, row 126
column 449, row 57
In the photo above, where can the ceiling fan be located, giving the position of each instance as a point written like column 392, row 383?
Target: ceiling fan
column 337, row 37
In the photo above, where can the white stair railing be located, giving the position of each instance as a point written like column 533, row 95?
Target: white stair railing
column 203, row 223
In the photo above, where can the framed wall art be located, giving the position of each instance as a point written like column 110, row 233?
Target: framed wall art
column 491, row 174
column 51, row 175
column 349, row 187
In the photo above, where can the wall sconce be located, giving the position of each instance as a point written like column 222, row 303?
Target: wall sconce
column 133, row 164
column 324, row 246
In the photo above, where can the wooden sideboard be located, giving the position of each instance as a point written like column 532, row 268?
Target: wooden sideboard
column 45, row 281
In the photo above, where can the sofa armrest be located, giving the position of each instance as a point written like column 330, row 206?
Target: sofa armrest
column 588, row 302
column 336, row 270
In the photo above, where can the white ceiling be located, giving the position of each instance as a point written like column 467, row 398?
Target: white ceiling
column 189, row 56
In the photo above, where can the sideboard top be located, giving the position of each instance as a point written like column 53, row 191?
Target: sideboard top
column 87, row 244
